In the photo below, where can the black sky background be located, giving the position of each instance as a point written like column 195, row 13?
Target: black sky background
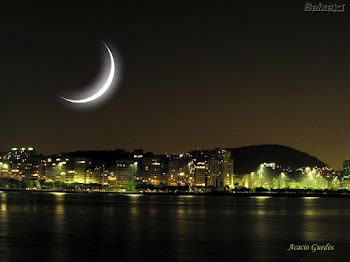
column 195, row 74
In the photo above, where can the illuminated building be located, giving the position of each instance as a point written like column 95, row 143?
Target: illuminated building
column 163, row 179
column 345, row 181
column 102, row 174
column 51, row 169
column 20, row 153
column 346, row 167
column 151, row 170
column 82, row 168
column 23, row 163
column 177, row 170
column 60, row 169
column 30, row 167
column 138, row 158
column 221, row 169
column 97, row 175
column 125, row 171
column 198, row 168
column 112, row 179
column 198, row 172
column 109, row 176
column 69, row 170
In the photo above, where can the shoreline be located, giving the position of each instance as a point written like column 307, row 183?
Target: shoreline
column 258, row 194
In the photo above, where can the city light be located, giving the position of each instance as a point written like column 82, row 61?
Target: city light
column 214, row 170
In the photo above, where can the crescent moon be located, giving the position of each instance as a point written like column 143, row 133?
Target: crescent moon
column 105, row 86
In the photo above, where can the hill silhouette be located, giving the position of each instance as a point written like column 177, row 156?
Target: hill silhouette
column 249, row 158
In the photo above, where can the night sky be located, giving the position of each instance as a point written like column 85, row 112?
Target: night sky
column 193, row 75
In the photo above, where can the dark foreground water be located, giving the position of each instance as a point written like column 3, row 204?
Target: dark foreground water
column 102, row 227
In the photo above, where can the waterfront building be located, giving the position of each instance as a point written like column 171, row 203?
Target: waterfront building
column 151, row 170
column 346, row 166
column 198, row 172
column 96, row 174
column 138, row 159
column 23, row 163
column 54, row 169
column 69, row 170
column 178, row 170
column 30, row 168
column 111, row 173
column 220, row 169
column 82, row 168
column 345, row 181
column 125, row 171
column 112, row 180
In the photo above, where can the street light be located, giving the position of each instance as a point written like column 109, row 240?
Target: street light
column 282, row 175
column 261, row 174
column 252, row 173
column 310, row 179
column 3, row 166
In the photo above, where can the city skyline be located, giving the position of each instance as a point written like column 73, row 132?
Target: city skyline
column 131, row 150
column 196, row 171
column 193, row 76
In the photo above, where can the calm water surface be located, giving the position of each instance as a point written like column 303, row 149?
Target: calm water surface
column 37, row 226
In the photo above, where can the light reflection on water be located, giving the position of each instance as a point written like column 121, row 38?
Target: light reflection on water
column 261, row 197
column 58, row 254
column 4, row 227
column 167, row 228
column 3, row 212
column 57, row 193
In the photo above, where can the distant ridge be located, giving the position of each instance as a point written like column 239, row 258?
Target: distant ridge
column 248, row 158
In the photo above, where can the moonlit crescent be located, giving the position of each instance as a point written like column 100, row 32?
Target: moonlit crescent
column 105, row 86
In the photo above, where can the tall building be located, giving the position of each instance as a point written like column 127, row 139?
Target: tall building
column 221, row 168
column 30, row 167
column 109, row 174
column 199, row 172
column 53, row 169
column 97, row 175
column 69, row 170
column 20, row 153
column 60, row 169
column 125, row 171
column 23, row 163
column 82, row 168
column 112, row 176
column 138, row 160
column 346, row 166
column 163, row 159
column 151, row 170
column 178, row 170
